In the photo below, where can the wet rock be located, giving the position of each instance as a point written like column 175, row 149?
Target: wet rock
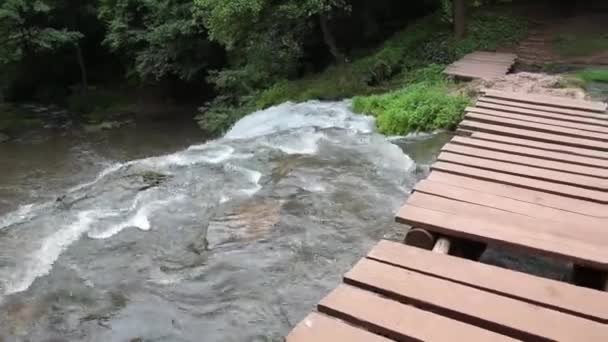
column 3, row 138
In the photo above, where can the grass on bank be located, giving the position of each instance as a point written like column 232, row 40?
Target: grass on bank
column 411, row 56
column 593, row 75
column 421, row 106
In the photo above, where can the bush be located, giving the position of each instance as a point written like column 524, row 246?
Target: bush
column 594, row 75
column 418, row 107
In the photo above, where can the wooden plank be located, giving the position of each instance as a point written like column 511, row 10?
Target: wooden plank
column 474, row 71
column 560, row 296
column 511, row 205
column 542, row 163
column 396, row 320
column 532, row 152
column 534, row 135
column 592, row 234
column 503, row 234
column 471, row 74
column 541, row 114
column 543, row 108
column 553, row 101
column 526, row 171
column 551, row 147
column 524, row 182
column 321, row 328
column 520, row 194
column 540, row 120
column 492, row 56
column 476, row 65
column 537, row 127
column 501, row 314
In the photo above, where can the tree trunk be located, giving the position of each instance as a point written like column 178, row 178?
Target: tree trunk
column 460, row 16
column 329, row 39
column 83, row 69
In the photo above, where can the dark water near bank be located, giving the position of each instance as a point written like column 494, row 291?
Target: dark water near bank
column 115, row 236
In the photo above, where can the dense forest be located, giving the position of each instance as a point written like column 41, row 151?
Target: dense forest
column 232, row 57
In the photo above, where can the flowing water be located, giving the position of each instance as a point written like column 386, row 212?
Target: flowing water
column 235, row 239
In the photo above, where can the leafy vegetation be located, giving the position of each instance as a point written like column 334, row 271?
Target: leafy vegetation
column 594, row 75
column 420, row 106
column 580, row 45
column 238, row 55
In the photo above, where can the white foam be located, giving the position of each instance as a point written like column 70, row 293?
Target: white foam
column 138, row 220
column 41, row 261
column 289, row 116
column 100, row 176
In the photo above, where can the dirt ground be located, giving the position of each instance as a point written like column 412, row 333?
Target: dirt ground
column 526, row 83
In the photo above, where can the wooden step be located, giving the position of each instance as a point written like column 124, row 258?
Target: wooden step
column 321, row 328
column 559, row 296
column 540, row 120
column 542, row 163
column 534, row 135
column 518, row 193
column 537, row 127
column 503, row 315
column 551, row 147
column 523, row 182
column 481, row 104
column 497, row 233
column 517, row 150
column 534, row 172
column 515, row 206
column 545, row 108
column 553, row 101
column 395, row 320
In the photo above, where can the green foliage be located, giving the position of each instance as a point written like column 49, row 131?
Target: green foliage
column 572, row 45
column 161, row 38
column 422, row 106
column 26, row 28
column 594, row 75
column 486, row 31
column 96, row 105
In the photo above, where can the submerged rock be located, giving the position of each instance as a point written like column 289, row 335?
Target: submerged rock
column 106, row 125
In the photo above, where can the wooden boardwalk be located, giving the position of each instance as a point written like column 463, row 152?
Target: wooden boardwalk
column 484, row 65
column 527, row 173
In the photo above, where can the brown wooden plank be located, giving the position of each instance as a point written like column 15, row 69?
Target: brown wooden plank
column 492, row 56
column 533, row 135
column 560, row 296
column 504, row 315
column 396, row 320
column 544, row 108
column 537, row 127
column 540, row 120
column 476, row 65
column 526, row 171
column 471, row 75
column 510, row 205
column 554, row 101
column 524, row 160
column 593, row 234
column 542, row 114
column 532, row 152
column 552, row 147
column 524, row 182
column 521, row 194
column 498, row 233
column 321, row 328
column 475, row 73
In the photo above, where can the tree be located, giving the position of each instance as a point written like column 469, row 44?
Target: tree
column 265, row 37
column 160, row 38
column 460, row 24
column 26, row 28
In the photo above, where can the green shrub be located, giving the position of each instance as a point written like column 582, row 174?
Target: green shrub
column 594, row 75
column 583, row 44
column 418, row 107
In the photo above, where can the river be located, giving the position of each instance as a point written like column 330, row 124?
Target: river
column 115, row 236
